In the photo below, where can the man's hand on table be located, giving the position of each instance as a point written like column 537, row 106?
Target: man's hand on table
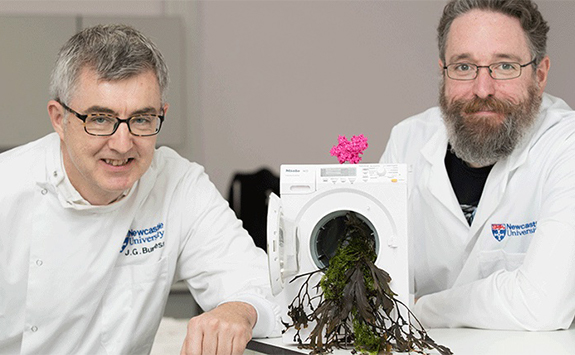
column 224, row 330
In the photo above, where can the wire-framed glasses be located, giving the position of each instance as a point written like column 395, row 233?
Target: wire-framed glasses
column 498, row 71
column 105, row 124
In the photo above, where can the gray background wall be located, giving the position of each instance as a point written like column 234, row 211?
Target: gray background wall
column 273, row 82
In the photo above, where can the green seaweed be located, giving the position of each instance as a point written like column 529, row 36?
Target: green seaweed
column 354, row 306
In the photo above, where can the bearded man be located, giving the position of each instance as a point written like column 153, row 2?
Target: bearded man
column 492, row 188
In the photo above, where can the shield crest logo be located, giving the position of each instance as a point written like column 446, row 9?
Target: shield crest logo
column 125, row 244
column 499, row 231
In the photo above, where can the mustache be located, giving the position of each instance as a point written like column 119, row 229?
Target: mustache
column 486, row 104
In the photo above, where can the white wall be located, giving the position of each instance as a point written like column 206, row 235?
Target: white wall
column 82, row 7
column 272, row 82
column 279, row 80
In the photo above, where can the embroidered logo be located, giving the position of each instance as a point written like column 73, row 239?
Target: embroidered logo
column 143, row 241
column 500, row 231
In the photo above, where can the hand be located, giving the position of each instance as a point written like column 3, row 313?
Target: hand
column 224, row 330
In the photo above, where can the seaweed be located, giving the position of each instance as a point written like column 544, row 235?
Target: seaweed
column 353, row 304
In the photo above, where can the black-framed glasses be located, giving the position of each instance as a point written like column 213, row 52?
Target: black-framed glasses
column 498, row 71
column 104, row 124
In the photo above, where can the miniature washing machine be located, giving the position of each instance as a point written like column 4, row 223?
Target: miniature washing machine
column 303, row 224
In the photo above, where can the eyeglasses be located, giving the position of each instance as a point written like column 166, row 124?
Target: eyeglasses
column 104, row 124
column 498, row 71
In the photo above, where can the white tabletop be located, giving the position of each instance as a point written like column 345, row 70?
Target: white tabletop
column 461, row 341
column 494, row 342
column 482, row 342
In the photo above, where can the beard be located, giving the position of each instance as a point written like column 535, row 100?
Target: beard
column 482, row 141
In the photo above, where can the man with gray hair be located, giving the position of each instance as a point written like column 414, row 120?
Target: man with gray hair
column 98, row 223
column 493, row 182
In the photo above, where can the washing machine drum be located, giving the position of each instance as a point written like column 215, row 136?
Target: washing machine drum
column 328, row 233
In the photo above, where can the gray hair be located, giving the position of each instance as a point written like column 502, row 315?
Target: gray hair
column 114, row 52
column 526, row 11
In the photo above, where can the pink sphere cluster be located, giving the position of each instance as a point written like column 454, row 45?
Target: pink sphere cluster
column 349, row 150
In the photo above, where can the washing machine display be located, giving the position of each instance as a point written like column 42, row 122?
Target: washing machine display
column 304, row 226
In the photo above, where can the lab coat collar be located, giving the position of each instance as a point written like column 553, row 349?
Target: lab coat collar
column 543, row 122
column 437, row 182
column 519, row 155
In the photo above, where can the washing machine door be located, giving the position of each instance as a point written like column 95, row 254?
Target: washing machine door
column 281, row 246
column 381, row 210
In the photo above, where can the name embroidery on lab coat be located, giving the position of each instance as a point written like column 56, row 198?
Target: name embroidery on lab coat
column 143, row 241
column 502, row 230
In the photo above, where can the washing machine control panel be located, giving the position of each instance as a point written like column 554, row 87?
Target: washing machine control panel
column 302, row 179
column 361, row 173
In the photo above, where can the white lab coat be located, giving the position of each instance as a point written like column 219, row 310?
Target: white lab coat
column 464, row 275
column 82, row 279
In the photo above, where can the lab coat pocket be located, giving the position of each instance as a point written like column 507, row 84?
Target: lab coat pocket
column 132, row 307
column 495, row 260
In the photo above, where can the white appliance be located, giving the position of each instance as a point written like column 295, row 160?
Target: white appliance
column 303, row 225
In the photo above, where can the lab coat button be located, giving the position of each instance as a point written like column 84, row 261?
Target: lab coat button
column 34, row 328
column 39, row 262
column 44, row 191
